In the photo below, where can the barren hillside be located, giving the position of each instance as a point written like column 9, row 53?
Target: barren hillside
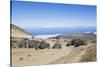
column 19, row 32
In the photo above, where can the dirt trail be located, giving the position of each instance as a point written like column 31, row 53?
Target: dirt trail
column 47, row 56
column 73, row 57
column 38, row 56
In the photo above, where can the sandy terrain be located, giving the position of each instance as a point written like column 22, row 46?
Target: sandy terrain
column 27, row 56
column 67, row 54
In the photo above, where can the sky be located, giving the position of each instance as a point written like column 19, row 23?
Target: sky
column 52, row 15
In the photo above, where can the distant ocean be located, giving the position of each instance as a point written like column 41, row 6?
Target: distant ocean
column 54, row 31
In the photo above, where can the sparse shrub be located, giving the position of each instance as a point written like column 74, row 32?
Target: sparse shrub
column 81, row 49
column 64, row 61
column 76, row 42
column 58, row 37
column 21, row 45
column 69, row 43
column 53, row 40
column 33, row 44
column 57, row 46
column 21, row 58
column 32, row 37
column 28, row 55
column 57, row 40
column 52, row 53
column 44, row 45
column 65, row 40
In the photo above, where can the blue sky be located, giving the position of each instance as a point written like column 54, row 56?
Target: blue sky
column 52, row 15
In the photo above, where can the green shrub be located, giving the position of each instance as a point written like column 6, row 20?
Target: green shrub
column 23, row 43
column 33, row 43
column 76, row 42
column 69, row 43
column 43, row 45
column 57, row 46
column 21, row 46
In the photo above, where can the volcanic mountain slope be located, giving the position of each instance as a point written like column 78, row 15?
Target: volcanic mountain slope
column 17, row 32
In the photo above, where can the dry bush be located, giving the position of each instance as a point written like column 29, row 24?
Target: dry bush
column 28, row 55
column 52, row 53
column 21, row 58
column 90, row 54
